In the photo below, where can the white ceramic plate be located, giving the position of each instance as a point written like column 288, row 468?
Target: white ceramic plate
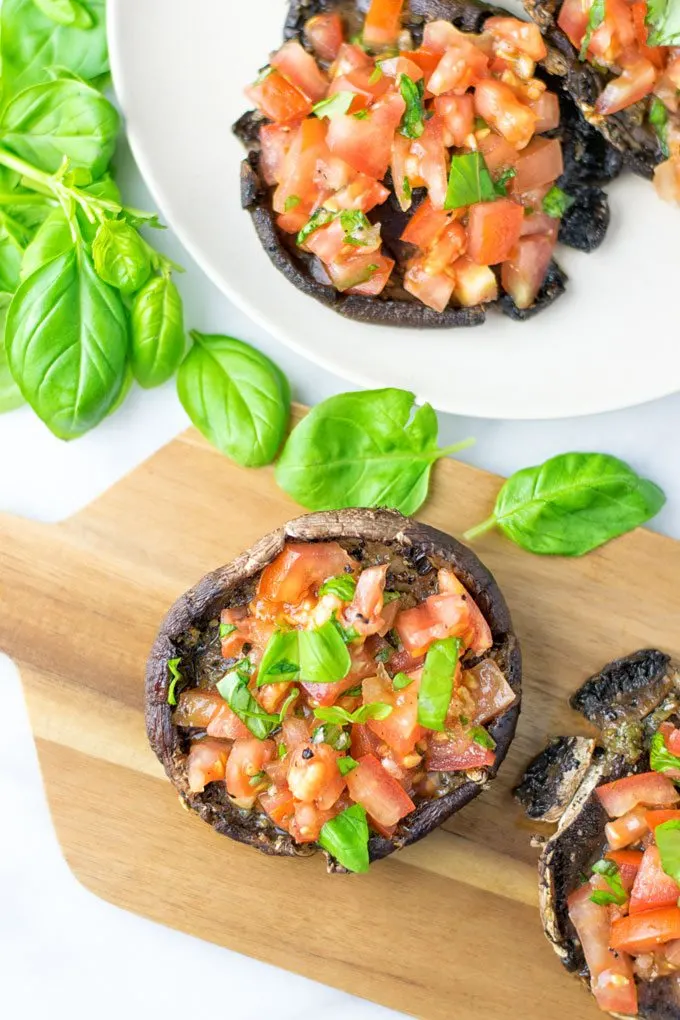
column 179, row 69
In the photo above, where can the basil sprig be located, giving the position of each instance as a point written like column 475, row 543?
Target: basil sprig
column 663, row 21
column 436, row 685
column 616, row 893
column 336, row 714
column 660, row 758
column 667, row 837
column 413, row 122
column 571, row 504
column 175, row 679
column 234, row 689
column 346, row 838
column 317, row 656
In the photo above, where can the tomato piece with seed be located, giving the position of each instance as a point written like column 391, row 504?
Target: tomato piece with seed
column 462, row 65
column 627, row 829
column 634, row 83
column 432, row 289
column 611, row 974
column 648, row 788
column 246, row 760
column 300, row 67
column 652, row 887
column 458, row 116
column 642, row 933
column 300, row 568
column 524, row 36
column 382, row 796
column 525, row 270
column 457, row 753
column 206, row 763
column 280, row 806
column 400, row 730
column 498, row 105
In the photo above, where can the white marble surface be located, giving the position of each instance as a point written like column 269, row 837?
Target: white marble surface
column 63, row 953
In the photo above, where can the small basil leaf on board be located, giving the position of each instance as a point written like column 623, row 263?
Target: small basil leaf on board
column 281, row 659
column 158, row 338
column 120, row 256
column 68, row 327
column 571, row 504
column 234, row 689
column 343, row 586
column 31, row 42
column 436, row 684
column 66, row 12
column 469, row 181
column 370, row 448
column 346, row 838
column 660, row 758
column 668, row 841
column 175, row 679
column 10, row 394
column 663, row 21
column 57, row 119
column 236, row 397
column 324, row 658
column 595, row 19
column 346, row 764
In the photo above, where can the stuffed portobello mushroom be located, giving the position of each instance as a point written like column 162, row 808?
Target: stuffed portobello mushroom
column 610, row 876
column 409, row 165
column 345, row 685
column 620, row 60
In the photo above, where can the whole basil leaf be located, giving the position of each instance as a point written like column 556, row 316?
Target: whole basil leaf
column 362, row 449
column 10, row 395
column 346, row 838
column 158, row 339
column 667, row 837
column 234, row 689
column 120, row 256
column 436, row 683
column 52, row 239
column 572, row 503
column 11, row 255
column 47, row 122
column 66, row 12
column 66, row 340
column 236, row 397
column 31, row 42
column 281, row 658
column 324, row 656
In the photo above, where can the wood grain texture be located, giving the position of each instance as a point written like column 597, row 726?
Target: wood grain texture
column 446, row 928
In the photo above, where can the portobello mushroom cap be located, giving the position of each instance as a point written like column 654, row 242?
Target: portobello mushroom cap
column 423, row 550
column 588, row 162
column 638, row 692
column 629, row 131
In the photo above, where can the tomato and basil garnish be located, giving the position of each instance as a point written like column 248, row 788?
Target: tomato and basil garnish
column 454, row 128
column 322, row 719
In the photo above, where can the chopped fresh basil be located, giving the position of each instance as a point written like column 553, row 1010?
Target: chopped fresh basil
column 264, row 73
column 463, row 720
column 257, row 779
column 343, row 586
column 406, row 189
column 281, row 658
column 668, row 841
column 361, row 114
column 292, row 202
column 616, row 893
column 282, row 751
column 346, row 838
column 333, row 735
column 376, row 76
column 245, row 665
column 413, row 122
column 663, row 21
column 373, row 268
column 384, row 654
column 481, row 737
column 436, row 685
column 334, row 106
column 595, row 19
column 317, row 656
column 658, row 118
column 226, row 629
column 469, row 181
column 402, row 680
column 177, row 678
column 501, row 184
column 353, row 692
column 234, row 689
column 556, row 202
column 335, row 714
column 660, row 758
column 320, row 219
column 480, row 124
column 346, row 764
column 348, row 634
column 390, row 596
column 292, row 697
column 355, row 224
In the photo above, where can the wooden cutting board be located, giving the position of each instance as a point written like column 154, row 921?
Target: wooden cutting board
column 445, row 929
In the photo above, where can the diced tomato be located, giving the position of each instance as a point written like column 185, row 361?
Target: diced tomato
column 473, row 284
column 363, row 273
column 648, row 788
column 400, row 730
column 432, row 289
column 363, row 665
column 308, row 821
column 364, row 741
column 462, row 65
column 301, row 567
column 307, row 148
column 458, row 116
column 206, row 763
column 350, row 56
column 383, row 23
column 489, row 689
column 524, row 36
column 653, row 887
column 611, row 974
column 426, row 225
column 295, row 733
column 294, row 220
column 364, row 612
column 278, row 99
column 446, row 249
column 404, row 662
column 452, row 613
column 366, row 144
column 667, row 180
column 331, row 174
column 362, row 194
column 233, row 642
column 325, row 34
column 313, row 775
column 498, row 154
column 378, row 280
column 627, row 829
column 539, row 223
column 425, row 59
column 394, row 67
column 227, row 725
column 634, row 83
column 478, row 635
column 642, row 933
column 382, row 796
column 493, row 230
column 439, row 35
column 327, row 242
column 654, row 818
column 524, row 272
column 274, row 144
column 280, row 806
column 573, row 20
column 432, row 161
column 671, row 737
column 246, row 760
column 272, row 696
column 501, row 109
column 197, row 707
column 300, row 67
column 628, row 862
column 616, row 34
column 547, row 110
column 277, row 770
column 457, row 753
column 360, row 82
column 655, row 54
column 539, row 163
